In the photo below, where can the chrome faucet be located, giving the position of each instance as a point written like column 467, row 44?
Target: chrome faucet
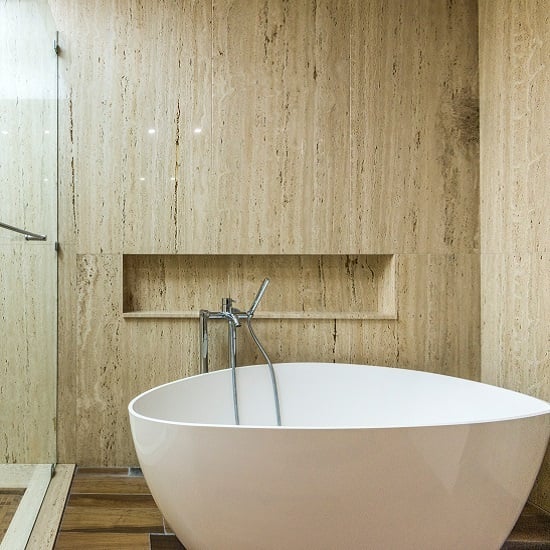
column 234, row 316
column 231, row 314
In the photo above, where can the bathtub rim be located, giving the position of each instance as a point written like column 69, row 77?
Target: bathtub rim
column 134, row 413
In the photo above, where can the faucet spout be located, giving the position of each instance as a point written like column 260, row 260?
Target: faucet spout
column 229, row 313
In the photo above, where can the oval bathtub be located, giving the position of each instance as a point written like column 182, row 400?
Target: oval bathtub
column 368, row 458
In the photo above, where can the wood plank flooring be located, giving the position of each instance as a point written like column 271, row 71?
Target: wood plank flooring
column 9, row 501
column 110, row 508
column 113, row 509
column 531, row 532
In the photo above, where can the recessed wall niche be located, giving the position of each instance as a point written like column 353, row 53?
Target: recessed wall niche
column 301, row 286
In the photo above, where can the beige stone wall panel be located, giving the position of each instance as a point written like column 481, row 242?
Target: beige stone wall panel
column 516, row 328
column 414, row 127
column 439, row 314
column 515, row 157
column 280, row 126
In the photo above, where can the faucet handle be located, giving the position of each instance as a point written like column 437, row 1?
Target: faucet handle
column 258, row 297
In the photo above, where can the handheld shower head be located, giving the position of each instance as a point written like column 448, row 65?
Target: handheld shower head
column 258, row 297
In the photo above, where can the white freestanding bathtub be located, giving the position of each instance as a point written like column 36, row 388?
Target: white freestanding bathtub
column 368, row 458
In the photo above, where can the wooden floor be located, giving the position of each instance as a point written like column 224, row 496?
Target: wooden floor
column 108, row 508
column 531, row 532
column 9, row 501
column 113, row 509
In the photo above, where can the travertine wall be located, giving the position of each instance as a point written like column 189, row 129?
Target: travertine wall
column 325, row 127
column 515, row 200
column 28, row 124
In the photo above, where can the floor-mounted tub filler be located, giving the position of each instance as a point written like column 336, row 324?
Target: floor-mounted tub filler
column 367, row 457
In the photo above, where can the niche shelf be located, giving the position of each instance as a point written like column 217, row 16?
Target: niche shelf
column 301, row 286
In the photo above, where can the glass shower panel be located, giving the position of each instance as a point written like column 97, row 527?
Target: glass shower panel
column 28, row 201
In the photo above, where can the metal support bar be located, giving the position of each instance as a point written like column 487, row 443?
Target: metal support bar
column 29, row 236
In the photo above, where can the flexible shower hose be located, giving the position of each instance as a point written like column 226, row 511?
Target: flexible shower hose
column 271, row 372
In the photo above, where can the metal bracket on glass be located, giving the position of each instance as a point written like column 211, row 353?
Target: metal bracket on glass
column 29, row 236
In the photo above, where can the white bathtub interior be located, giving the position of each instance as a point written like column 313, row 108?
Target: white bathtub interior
column 341, row 396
